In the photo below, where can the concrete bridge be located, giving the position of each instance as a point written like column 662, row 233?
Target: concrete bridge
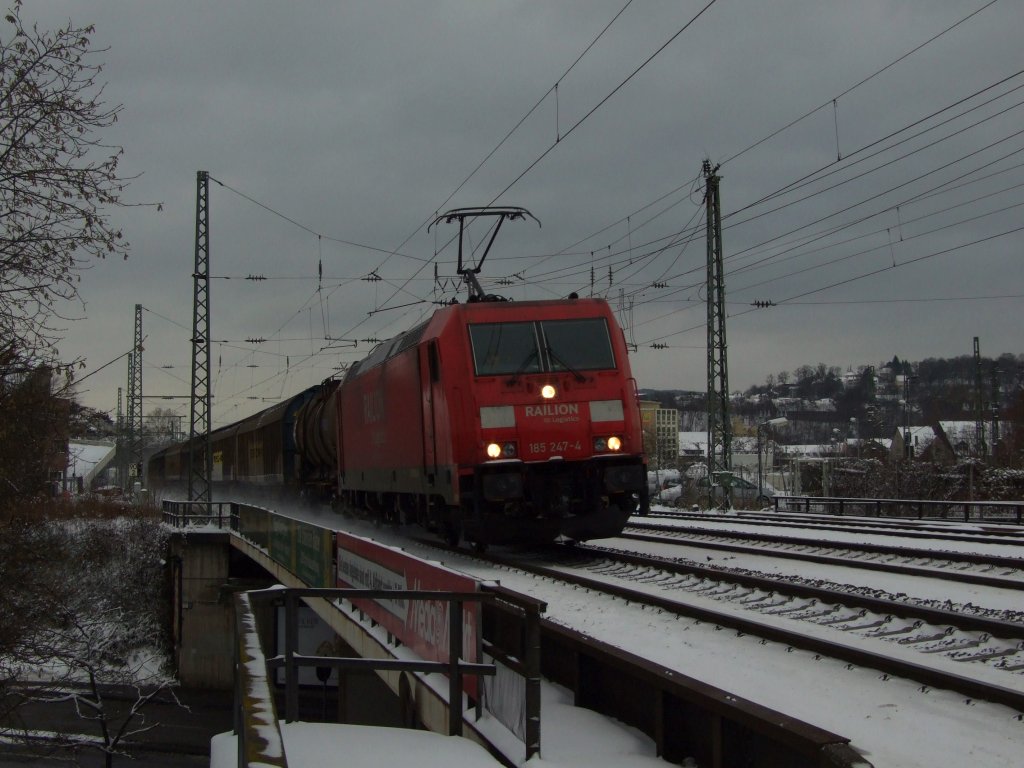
column 224, row 553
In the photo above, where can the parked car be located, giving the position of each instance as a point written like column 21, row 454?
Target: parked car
column 743, row 491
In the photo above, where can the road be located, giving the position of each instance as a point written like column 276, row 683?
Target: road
column 180, row 740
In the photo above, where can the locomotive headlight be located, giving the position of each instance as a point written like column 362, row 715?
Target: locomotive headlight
column 494, row 450
column 548, row 391
column 509, row 450
column 602, row 444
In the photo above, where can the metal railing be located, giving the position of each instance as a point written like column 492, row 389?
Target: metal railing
column 256, row 724
column 259, row 740
column 184, row 514
column 977, row 511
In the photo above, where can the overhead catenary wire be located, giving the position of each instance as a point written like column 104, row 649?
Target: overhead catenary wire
column 858, row 84
column 668, row 243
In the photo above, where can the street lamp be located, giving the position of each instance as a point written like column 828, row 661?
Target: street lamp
column 781, row 421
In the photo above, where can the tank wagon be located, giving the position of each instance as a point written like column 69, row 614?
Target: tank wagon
column 258, row 455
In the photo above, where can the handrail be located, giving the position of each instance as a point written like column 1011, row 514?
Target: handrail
column 455, row 667
column 181, row 514
column 256, row 725
column 838, row 505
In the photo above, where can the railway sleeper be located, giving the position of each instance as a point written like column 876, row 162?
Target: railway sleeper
column 869, row 625
column 985, row 654
column 842, row 619
column 926, row 638
column 791, row 609
column 815, row 615
column 779, row 604
column 899, row 631
column 1010, row 667
column 956, row 645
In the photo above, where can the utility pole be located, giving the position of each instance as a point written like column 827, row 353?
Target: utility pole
column 135, row 436
column 130, row 424
column 200, row 459
column 979, row 403
column 719, row 423
column 995, row 413
column 122, row 464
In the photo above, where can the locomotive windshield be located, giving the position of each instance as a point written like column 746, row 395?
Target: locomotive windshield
column 577, row 345
column 550, row 345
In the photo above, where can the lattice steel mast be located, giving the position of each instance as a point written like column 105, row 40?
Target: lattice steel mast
column 135, row 436
column 129, row 425
column 979, row 403
column 200, row 459
column 122, row 460
column 719, row 423
column 996, row 399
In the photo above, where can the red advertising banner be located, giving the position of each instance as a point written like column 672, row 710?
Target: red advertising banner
column 422, row 625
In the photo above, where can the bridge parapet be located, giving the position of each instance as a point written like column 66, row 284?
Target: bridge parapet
column 326, row 568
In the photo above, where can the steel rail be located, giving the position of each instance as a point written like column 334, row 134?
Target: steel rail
column 857, row 525
column 923, row 674
column 868, row 565
column 974, row 558
column 966, row 622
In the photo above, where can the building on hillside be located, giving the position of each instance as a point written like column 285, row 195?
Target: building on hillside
column 962, row 437
column 868, row 448
column 666, row 425
column 661, row 434
column 693, row 447
column 925, row 444
column 648, row 411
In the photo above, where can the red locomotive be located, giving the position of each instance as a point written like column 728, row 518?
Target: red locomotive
column 497, row 420
column 494, row 420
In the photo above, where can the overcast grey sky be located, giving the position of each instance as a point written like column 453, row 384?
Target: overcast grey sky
column 358, row 120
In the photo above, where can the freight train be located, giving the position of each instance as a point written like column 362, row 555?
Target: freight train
column 494, row 421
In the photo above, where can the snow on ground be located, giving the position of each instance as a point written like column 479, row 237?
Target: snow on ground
column 924, row 588
column 863, row 532
column 578, row 738
column 893, row 723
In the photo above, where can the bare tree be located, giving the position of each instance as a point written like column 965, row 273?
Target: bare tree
column 95, row 659
column 84, row 630
column 57, row 177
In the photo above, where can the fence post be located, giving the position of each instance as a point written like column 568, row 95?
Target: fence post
column 291, row 672
column 532, row 659
column 454, row 673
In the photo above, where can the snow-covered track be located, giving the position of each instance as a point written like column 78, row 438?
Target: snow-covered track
column 795, row 615
column 911, row 529
column 964, row 567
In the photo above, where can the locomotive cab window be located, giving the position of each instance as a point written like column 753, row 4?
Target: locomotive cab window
column 551, row 345
column 502, row 348
column 577, row 345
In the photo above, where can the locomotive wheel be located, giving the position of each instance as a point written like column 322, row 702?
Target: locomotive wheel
column 451, row 532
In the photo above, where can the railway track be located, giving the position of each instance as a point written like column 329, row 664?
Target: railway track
column 901, row 639
column 911, row 529
column 971, row 568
